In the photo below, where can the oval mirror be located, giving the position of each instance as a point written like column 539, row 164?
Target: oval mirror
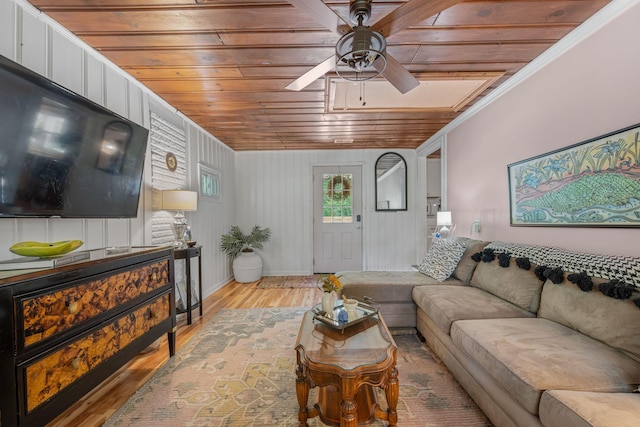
column 391, row 183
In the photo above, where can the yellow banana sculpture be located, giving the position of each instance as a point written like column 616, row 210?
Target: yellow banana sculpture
column 43, row 249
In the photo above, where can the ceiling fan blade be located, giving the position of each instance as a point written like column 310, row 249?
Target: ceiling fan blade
column 411, row 13
column 396, row 74
column 323, row 14
column 313, row 74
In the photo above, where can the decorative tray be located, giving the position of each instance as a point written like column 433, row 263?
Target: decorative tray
column 362, row 312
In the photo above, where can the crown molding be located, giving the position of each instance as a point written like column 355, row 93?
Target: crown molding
column 588, row 27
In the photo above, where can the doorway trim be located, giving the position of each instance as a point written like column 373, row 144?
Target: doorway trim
column 363, row 194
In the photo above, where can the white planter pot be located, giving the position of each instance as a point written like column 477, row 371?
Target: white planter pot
column 247, row 267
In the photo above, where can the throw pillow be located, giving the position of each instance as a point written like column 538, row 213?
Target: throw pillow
column 442, row 258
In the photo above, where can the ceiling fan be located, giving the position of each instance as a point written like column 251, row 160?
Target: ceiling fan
column 361, row 51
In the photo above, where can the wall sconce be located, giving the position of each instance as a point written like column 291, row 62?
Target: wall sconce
column 444, row 226
column 180, row 201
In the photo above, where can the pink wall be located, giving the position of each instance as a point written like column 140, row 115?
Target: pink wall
column 591, row 90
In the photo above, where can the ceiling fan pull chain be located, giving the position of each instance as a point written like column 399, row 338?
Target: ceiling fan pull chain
column 362, row 93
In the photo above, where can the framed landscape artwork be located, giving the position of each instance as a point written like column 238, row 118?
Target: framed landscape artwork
column 592, row 183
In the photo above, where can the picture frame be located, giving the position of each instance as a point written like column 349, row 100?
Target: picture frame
column 209, row 183
column 594, row 183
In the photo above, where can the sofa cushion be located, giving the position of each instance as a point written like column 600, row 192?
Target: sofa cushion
column 466, row 266
column 446, row 304
column 391, row 290
column 380, row 286
column 612, row 321
column 528, row 356
column 442, row 258
column 386, row 286
column 566, row 408
column 514, row 284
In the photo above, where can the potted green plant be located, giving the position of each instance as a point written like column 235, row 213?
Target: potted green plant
column 247, row 265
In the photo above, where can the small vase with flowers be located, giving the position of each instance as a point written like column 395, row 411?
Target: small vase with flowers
column 329, row 285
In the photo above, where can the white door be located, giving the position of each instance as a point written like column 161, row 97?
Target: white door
column 337, row 218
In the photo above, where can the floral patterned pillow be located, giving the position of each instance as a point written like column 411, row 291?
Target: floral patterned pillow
column 442, row 258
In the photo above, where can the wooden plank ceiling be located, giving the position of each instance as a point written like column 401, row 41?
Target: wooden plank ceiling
column 225, row 63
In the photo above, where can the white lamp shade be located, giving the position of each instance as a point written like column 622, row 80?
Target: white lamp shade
column 443, row 218
column 179, row 200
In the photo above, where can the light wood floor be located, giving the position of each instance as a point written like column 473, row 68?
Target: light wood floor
column 97, row 406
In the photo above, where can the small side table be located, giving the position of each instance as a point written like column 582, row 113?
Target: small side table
column 189, row 254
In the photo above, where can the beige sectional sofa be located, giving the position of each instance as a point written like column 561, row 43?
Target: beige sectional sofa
column 530, row 346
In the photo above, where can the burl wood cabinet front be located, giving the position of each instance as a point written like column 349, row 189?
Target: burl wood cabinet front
column 49, row 376
column 64, row 330
column 51, row 313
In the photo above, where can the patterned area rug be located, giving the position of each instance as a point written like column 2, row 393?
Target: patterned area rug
column 239, row 370
column 289, row 281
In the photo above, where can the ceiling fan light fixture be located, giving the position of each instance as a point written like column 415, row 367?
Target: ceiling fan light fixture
column 361, row 53
column 358, row 50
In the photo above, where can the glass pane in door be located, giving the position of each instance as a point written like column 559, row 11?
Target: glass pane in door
column 337, row 205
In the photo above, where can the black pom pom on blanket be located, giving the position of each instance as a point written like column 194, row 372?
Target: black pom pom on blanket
column 582, row 280
column 488, row 255
column 617, row 289
column 477, row 256
column 556, row 275
column 523, row 263
column 503, row 260
column 539, row 272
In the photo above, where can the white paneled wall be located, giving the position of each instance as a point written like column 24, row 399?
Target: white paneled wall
column 8, row 39
column 29, row 39
column 212, row 218
column 33, row 40
column 166, row 137
column 274, row 189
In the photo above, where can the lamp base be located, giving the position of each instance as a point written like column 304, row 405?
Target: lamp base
column 444, row 231
column 178, row 234
column 179, row 227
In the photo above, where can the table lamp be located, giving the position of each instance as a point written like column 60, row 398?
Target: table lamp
column 444, row 226
column 180, row 201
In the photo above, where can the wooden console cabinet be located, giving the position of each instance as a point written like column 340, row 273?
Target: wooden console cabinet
column 64, row 330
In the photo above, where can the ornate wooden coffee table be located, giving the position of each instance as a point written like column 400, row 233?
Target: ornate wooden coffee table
column 345, row 366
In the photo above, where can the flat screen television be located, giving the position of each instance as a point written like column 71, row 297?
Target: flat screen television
column 62, row 155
